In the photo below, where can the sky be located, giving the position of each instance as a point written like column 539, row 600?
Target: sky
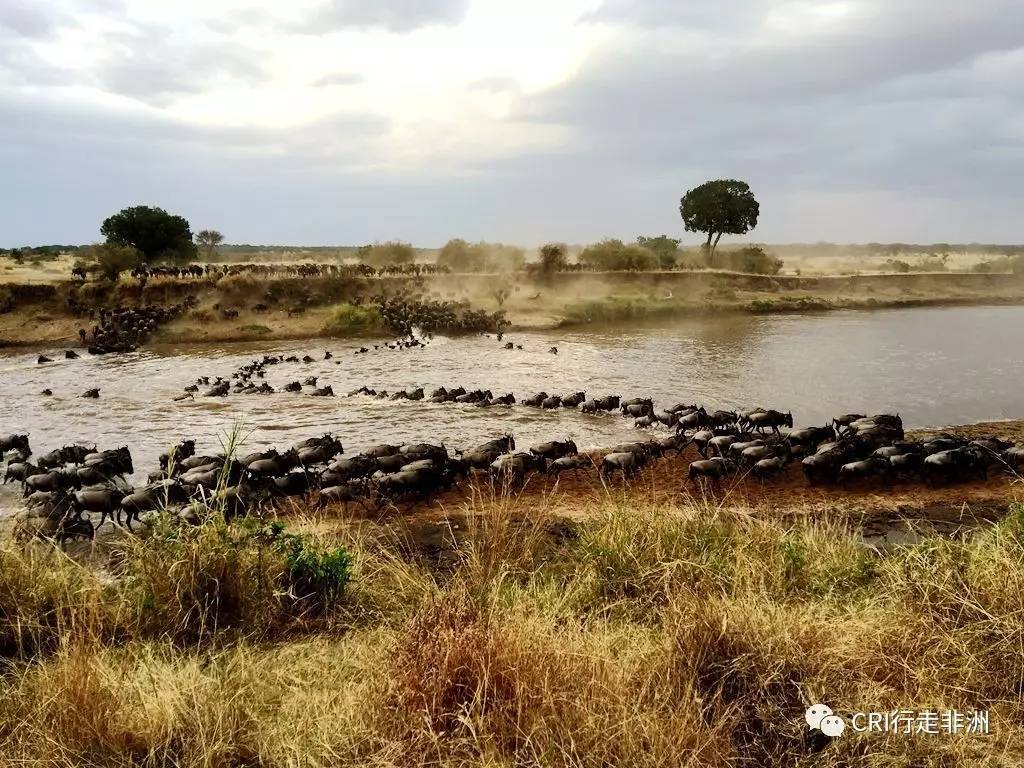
column 323, row 122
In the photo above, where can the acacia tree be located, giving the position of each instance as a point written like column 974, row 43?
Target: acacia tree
column 209, row 239
column 722, row 207
column 553, row 258
column 153, row 232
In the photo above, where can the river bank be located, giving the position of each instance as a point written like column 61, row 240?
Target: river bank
column 247, row 309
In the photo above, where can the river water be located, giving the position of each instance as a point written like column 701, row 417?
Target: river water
column 934, row 366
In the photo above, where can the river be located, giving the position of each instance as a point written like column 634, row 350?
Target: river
column 934, row 366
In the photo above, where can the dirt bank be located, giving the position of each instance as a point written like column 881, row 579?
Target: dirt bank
column 283, row 308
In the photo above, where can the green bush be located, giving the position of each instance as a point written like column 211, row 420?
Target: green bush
column 665, row 249
column 109, row 261
column 189, row 582
column 349, row 319
column 613, row 255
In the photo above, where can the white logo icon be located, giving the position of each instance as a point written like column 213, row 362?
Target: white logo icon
column 820, row 717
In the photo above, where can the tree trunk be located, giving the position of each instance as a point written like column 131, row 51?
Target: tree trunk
column 715, row 245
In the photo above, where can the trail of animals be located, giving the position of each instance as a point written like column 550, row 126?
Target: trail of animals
column 71, row 491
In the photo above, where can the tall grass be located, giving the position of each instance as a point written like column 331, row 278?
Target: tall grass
column 647, row 635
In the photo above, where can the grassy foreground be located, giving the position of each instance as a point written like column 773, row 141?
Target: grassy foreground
column 658, row 635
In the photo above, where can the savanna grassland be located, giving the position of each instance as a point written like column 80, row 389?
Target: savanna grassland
column 657, row 632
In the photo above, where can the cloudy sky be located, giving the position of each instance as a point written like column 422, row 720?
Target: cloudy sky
column 347, row 121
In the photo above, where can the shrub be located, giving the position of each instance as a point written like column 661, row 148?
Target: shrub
column 752, row 259
column 614, row 255
column 460, row 256
column 553, row 258
column 109, row 261
column 665, row 248
column 896, row 265
column 388, row 253
column 349, row 319
column 190, row 582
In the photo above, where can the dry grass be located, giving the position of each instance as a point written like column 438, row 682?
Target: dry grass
column 666, row 635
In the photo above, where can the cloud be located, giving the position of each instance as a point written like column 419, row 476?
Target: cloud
column 28, row 18
column 339, row 78
column 149, row 64
column 390, row 15
column 851, row 119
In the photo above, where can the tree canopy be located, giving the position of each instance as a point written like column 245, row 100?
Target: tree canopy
column 664, row 247
column 722, row 207
column 153, row 232
column 209, row 239
column 553, row 257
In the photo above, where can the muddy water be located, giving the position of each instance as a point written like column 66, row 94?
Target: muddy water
column 933, row 366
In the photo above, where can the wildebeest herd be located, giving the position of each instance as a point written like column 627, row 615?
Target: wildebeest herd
column 305, row 269
column 124, row 329
column 63, row 487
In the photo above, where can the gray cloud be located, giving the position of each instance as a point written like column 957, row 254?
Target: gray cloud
column 391, row 15
column 896, row 100
column 149, row 65
column 28, row 18
column 901, row 122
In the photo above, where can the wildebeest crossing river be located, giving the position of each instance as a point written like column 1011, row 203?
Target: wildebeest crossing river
column 932, row 366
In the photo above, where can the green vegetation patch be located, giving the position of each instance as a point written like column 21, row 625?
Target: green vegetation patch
column 351, row 320
column 615, row 308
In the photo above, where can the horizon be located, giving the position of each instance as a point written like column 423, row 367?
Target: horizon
column 350, row 120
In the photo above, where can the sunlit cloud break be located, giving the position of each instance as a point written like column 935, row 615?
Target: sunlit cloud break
column 344, row 121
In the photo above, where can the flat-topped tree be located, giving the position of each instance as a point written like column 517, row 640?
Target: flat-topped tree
column 209, row 239
column 721, row 207
column 153, row 232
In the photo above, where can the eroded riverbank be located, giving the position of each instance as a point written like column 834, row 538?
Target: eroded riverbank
column 302, row 308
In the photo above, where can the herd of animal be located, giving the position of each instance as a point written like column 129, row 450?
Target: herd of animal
column 65, row 486
column 306, row 270
column 124, row 329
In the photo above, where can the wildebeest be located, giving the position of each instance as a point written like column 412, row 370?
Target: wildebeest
column 555, row 449
column 516, row 466
column 876, row 466
column 713, row 469
column 573, row 399
column 639, row 406
column 572, row 463
column 769, row 419
column 958, row 464
column 626, row 462
column 15, row 442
